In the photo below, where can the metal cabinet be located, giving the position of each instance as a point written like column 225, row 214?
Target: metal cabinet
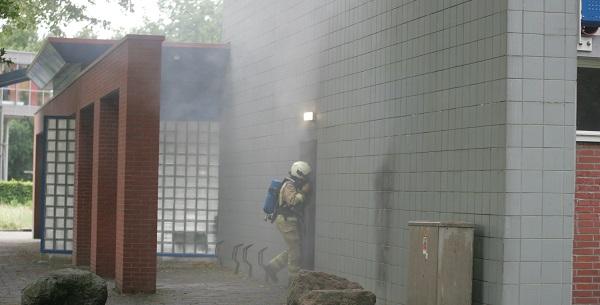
column 440, row 268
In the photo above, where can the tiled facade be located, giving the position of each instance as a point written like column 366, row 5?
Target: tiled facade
column 443, row 110
column 540, row 133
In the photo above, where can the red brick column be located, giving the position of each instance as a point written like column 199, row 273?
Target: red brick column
column 137, row 174
column 586, row 244
column 104, row 187
column 83, row 186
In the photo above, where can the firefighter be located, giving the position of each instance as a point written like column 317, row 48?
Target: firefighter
column 289, row 220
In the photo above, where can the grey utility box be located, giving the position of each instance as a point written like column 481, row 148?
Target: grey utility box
column 440, row 263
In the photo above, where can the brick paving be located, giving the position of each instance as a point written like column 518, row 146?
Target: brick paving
column 177, row 282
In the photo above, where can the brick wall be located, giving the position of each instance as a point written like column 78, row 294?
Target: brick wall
column 586, row 245
column 83, row 187
column 133, row 67
column 104, row 187
column 137, row 171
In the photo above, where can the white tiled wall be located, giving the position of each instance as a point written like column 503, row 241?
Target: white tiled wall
column 437, row 110
column 540, row 126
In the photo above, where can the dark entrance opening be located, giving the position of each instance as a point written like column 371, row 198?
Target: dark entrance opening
column 309, row 154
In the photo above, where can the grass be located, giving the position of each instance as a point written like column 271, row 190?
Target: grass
column 16, row 217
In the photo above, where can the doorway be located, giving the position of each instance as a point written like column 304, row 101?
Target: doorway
column 308, row 153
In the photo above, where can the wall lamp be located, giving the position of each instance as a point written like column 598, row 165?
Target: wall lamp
column 309, row 116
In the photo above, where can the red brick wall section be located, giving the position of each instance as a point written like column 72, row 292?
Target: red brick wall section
column 133, row 67
column 586, row 244
column 83, row 187
column 104, row 187
column 137, row 176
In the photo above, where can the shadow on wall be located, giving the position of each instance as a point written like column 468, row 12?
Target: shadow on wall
column 384, row 188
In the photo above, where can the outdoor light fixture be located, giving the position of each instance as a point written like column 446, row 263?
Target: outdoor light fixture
column 309, row 116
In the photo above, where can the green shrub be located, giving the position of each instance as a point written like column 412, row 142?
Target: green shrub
column 16, row 192
column 15, row 217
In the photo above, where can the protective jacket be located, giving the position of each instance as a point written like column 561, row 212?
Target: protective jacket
column 291, row 200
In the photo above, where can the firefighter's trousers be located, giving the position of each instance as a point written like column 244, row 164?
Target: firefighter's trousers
column 291, row 257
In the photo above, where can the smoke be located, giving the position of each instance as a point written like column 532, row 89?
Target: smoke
column 192, row 81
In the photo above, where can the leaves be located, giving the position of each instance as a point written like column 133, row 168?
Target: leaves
column 52, row 15
column 25, row 39
column 15, row 192
column 180, row 20
column 9, row 9
column 21, row 20
column 187, row 21
column 3, row 59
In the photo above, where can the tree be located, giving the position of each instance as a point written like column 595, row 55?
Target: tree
column 87, row 32
column 22, row 39
column 187, row 21
column 20, row 154
column 21, row 19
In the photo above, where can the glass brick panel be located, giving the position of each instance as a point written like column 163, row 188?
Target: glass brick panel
column 59, row 176
column 188, row 178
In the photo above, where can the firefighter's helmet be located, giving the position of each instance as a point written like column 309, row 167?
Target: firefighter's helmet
column 300, row 169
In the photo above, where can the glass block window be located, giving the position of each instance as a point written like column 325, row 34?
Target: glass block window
column 59, row 185
column 188, row 188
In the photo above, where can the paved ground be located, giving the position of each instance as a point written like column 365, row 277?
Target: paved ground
column 178, row 282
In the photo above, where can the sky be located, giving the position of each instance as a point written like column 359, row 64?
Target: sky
column 119, row 17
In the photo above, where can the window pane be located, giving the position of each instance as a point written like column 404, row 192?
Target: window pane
column 9, row 94
column 24, row 97
column 23, row 86
column 588, row 99
column 40, row 98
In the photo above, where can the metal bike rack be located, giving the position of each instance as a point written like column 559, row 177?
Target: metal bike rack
column 218, row 252
column 234, row 254
column 245, row 259
column 261, row 253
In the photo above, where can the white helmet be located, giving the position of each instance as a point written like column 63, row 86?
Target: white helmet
column 300, row 169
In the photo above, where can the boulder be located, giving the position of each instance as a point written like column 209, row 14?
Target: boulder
column 307, row 281
column 66, row 287
column 338, row 297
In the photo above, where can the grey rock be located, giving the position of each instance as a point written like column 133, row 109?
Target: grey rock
column 339, row 297
column 307, row 281
column 66, row 287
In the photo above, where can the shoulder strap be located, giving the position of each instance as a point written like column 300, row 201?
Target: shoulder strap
column 280, row 198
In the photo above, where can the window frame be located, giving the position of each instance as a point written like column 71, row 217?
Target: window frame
column 587, row 135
